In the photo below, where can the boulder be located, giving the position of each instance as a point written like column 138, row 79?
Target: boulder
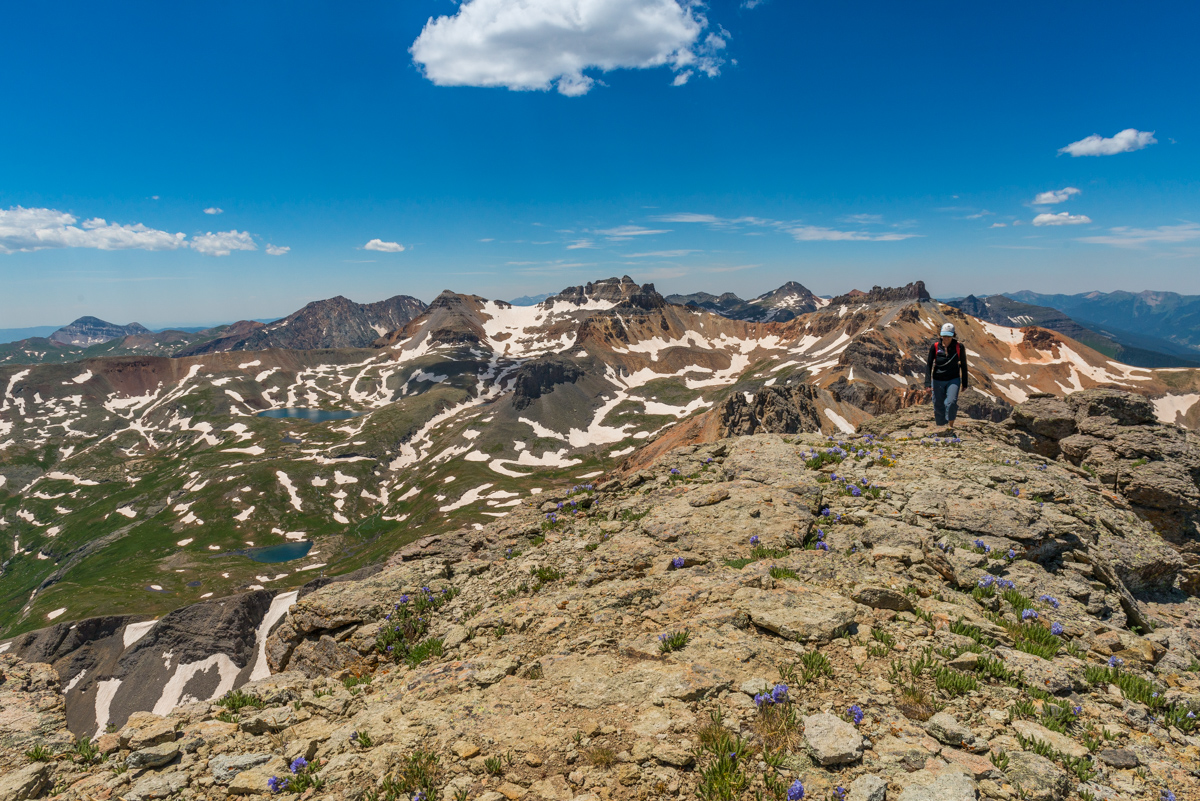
column 225, row 766
column 1046, row 416
column 26, row 782
column 878, row 597
column 831, row 740
column 1039, row 778
column 153, row 757
column 157, row 785
column 1126, row 408
column 948, row 786
column 867, row 788
column 793, row 614
column 944, row 728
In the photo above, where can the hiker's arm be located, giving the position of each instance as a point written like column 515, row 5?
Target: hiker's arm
column 962, row 357
column 929, row 368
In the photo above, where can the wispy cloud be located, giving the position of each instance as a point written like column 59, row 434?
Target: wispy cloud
column 662, row 254
column 581, row 244
column 1055, row 196
column 1062, row 218
column 214, row 210
column 816, row 233
column 1141, row 237
column 979, row 215
column 1126, row 141
column 998, row 225
column 384, row 247
column 624, row 232
column 799, row 231
column 863, row 219
column 277, row 250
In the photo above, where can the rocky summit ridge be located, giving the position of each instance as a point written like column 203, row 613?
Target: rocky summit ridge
column 888, row 614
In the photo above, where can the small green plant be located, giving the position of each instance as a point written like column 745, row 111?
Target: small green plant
column 778, row 572
column 960, row 626
column 494, row 765
column 881, row 636
column 763, row 552
column 673, row 641
column 38, row 753
column 1022, row 708
column 1000, row 759
column 86, row 752
column 954, row 682
column 545, row 575
column 118, row 767
column 362, row 739
column 225, row 716
column 236, row 701
column 577, row 737
column 630, row 516
column 352, row 683
column 501, row 630
column 423, row 650
column 738, row 564
column 321, row 692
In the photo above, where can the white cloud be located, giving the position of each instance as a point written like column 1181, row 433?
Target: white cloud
column 864, row 219
column 752, row 3
column 622, row 232
column 384, row 247
column 1139, row 237
column 979, row 215
column 1126, row 141
column 1062, row 218
column 537, row 44
column 1055, row 196
column 222, row 243
column 581, row 244
column 277, row 250
column 998, row 225
column 37, row 229
column 214, row 210
column 814, row 233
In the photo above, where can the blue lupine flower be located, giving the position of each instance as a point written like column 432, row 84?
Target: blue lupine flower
column 1115, row 661
column 754, row 540
column 403, row 599
column 780, row 693
column 275, row 785
column 1056, row 629
column 820, row 535
column 987, row 581
column 855, row 491
column 677, row 563
column 822, row 546
column 825, row 512
column 1011, row 554
column 1191, row 715
column 419, row 795
column 840, row 792
column 796, row 791
column 1077, row 711
column 1167, row 795
column 674, row 471
column 299, row 764
column 856, row 713
column 1050, row 599
column 1029, row 614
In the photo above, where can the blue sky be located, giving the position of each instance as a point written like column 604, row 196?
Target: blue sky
column 732, row 146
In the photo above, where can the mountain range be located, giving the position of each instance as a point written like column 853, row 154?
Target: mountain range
column 145, row 482
column 1165, row 315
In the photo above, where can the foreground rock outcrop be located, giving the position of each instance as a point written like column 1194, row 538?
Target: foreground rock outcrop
column 894, row 614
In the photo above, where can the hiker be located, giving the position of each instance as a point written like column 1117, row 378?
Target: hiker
column 946, row 375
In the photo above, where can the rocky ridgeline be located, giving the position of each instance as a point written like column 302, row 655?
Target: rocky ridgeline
column 891, row 616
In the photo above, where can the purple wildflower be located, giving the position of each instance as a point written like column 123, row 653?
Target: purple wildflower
column 298, row 764
column 856, row 713
column 275, row 785
column 1056, row 628
column 796, row 791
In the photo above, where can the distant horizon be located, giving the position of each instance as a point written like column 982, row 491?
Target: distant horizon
column 158, row 326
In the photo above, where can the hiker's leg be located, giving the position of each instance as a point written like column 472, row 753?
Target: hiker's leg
column 939, row 402
column 951, row 401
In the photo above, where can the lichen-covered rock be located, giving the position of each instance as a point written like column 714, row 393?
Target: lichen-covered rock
column 1039, row 778
column 831, row 740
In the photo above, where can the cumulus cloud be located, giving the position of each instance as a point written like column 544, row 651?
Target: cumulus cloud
column 1062, row 218
column 214, row 210
column 384, row 247
column 1126, row 141
column 277, row 250
column 222, row 243
column 539, row 44
column 1055, row 196
column 1140, row 237
column 23, row 229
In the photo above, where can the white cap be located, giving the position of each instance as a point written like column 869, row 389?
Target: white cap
column 948, row 330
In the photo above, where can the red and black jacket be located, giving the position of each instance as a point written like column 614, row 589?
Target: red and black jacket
column 946, row 364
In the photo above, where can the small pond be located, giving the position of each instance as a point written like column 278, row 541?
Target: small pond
column 312, row 415
column 284, row 552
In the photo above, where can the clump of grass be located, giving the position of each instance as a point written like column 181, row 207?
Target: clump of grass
column 673, row 641
column 38, row 753
column 960, row 626
column 916, row 704
column 778, row 572
column 954, row 682
column 352, row 682
column 419, row 772
column 601, row 757
column 86, row 752
column 763, row 552
column 722, row 756
column 738, row 564
column 225, row 716
column 494, row 765
column 546, row 575
column 236, row 701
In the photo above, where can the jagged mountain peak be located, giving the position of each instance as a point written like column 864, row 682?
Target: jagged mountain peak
column 623, row 290
column 914, row 290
